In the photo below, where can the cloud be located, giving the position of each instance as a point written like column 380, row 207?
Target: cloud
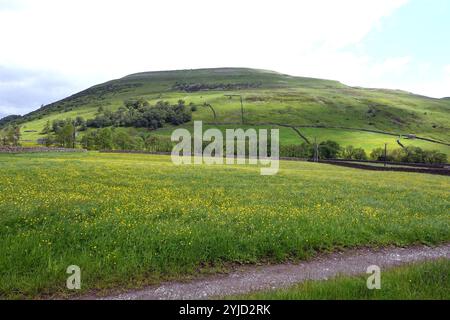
column 434, row 86
column 391, row 66
column 116, row 37
column 447, row 70
column 77, row 43
column 23, row 90
column 6, row 5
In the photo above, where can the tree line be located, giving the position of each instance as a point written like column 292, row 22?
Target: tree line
column 332, row 150
column 122, row 139
column 140, row 114
column 409, row 155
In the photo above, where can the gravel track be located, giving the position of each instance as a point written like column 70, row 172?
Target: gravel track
column 253, row 278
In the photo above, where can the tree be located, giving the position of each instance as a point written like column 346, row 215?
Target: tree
column 79, row 121
column 2, row 138
column 352, row 153
column 65, row 136
column 47, row 128
column 123, row 141
column 378, row 154
column 104, row 139
column 360, row 154
column 193, row 107
column 329, row 149
column 89, row 140
column 17, row 135
column 48, row 141
column 435, row 157
column 11, row 136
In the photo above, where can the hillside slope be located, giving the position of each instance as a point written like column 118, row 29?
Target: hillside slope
column 269, row 98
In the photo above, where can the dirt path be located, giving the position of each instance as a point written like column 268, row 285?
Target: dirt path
column 253, row 278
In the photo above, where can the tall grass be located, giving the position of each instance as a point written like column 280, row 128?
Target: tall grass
column 138, row 219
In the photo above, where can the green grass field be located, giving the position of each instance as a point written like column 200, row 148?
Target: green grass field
column 131, row 220
column 424, row 281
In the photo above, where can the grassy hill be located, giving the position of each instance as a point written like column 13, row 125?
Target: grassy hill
column 270, row 98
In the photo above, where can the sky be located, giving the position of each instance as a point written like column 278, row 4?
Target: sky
column 50, row 49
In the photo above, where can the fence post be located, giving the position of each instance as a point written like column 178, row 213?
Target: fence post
column 316, row 150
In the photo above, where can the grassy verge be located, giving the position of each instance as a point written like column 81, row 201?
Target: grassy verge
column 429, row 280
column 130, row 220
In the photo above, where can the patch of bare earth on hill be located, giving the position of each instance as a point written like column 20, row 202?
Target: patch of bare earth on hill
column 248, row 279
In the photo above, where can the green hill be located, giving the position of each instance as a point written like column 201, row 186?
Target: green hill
column 328, row 109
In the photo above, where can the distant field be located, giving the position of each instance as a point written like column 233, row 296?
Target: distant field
column 424, row 281
column 366, row 140
column 130, row 220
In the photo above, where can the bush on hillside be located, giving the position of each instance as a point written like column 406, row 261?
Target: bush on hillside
column 352, row 153
column 378, row 155
column 329, row 149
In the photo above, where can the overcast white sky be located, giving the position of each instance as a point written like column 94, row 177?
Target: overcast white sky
column 53, row 48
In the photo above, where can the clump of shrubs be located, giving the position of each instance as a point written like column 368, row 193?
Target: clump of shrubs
column 195, row 87
column 10, row 136
column 352, row 153
column 62, row 132
column 410, row 155
column 303, row 151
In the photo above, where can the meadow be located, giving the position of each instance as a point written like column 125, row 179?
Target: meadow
column 130, row 220
column 421, row 281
